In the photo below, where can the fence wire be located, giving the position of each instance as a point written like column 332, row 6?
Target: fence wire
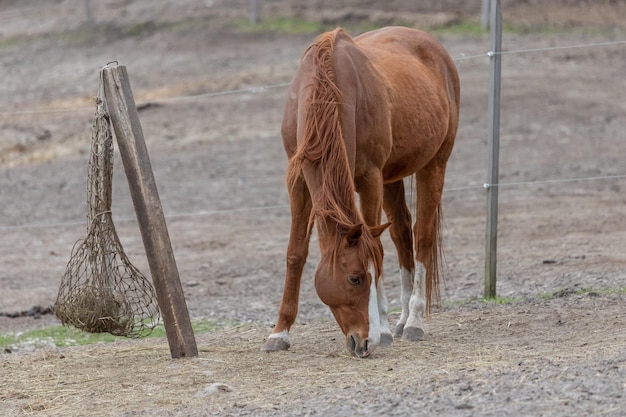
column 263, row 88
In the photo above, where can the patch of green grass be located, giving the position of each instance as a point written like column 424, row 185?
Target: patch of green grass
column 560, row 293
column 77, row 36
column 356, row 28
column 281, row 25
column 567, row 291
column 198, row 326
column 56, row 336
column 74, row 36
column 187, row 25
column 141, row 28
column 14, row 41
column 461, row 28
column 502, row 300
column 496, row 300
column 474, row 28
column 62, row 336
column 295, row 26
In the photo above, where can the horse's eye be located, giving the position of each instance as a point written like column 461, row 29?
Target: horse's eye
column 355, row 280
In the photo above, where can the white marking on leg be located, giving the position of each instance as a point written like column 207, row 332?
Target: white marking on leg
column 373, row 338
column 417, row 302
column 284, row 335
column 383, row 308
column 406, row 279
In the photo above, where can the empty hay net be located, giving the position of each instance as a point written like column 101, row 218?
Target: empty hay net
column 101, row 291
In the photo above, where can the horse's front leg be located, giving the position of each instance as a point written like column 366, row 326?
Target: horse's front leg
column 297, row 252
column 402, row 236
column 371, row 195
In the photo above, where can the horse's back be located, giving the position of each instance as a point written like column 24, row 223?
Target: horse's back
column 397, row 50
column 394, row 42
column 424, row 88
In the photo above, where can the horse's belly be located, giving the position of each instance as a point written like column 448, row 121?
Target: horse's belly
column 397, row 170
column 406, row 160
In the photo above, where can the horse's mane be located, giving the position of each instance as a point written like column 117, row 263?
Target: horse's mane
column 323, row 144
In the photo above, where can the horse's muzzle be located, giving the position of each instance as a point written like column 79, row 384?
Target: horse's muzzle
column 359, row 348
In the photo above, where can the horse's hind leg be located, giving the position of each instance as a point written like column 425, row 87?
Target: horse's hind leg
column 297, row 252
column 399, row 215
column 429, row 185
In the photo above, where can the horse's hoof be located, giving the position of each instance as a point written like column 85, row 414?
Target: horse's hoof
column 413, row 334
column 386, row 339
column 397, row 331
column 276, row 343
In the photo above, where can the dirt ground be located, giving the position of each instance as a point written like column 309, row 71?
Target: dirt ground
column 557, row 348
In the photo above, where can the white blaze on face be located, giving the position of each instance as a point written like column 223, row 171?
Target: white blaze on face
column 374, row 315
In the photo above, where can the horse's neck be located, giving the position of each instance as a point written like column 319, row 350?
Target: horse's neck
column 327, row 228
column 328, row 233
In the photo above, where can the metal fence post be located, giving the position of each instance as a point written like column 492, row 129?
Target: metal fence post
column 254, row 12
column 493, row 141
column 484, row 14
column 89, row 13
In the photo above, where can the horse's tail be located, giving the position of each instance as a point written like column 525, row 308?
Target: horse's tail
column 433, row 271
column 433, row 277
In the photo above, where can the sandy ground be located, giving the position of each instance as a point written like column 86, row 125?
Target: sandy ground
column 556, row 350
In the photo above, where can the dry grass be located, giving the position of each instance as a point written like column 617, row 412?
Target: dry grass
column 96, row 310
column 233, row 377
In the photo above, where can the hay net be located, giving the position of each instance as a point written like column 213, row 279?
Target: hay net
column 101, row 291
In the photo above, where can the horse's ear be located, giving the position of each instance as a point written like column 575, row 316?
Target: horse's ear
column 376, row 231
column 353, row 234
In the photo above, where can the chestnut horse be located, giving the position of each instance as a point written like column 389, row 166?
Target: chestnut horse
column 362, row 114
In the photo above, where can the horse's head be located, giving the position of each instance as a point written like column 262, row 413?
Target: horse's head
column 347, row 281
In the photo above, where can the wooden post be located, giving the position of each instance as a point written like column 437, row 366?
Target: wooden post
column 143, row 190
column 493, row 141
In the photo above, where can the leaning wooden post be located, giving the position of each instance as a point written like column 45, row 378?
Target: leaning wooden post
column 493, row 140
column 143, row 190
